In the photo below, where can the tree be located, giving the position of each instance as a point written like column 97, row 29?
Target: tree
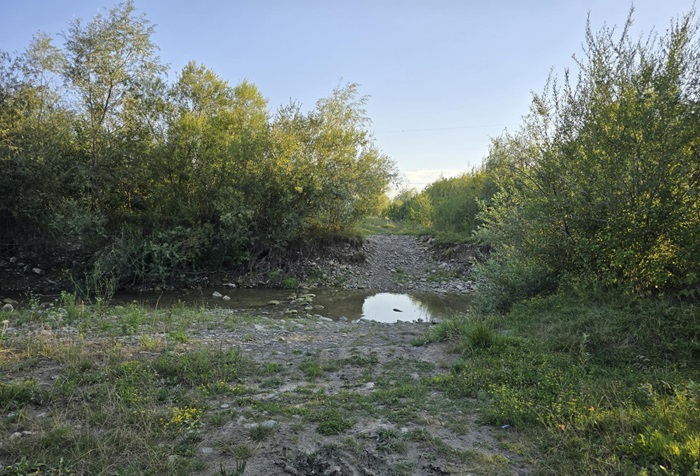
column 602, row 182
column 110, row 62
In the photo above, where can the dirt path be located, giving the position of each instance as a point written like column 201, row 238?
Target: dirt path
column 394, row 263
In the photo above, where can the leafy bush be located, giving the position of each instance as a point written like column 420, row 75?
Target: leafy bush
column 603, row 180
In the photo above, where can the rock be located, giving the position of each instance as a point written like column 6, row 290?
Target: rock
column 291, row 311
column 397, row 310
column 8, row 307
column 269, row 424
column 230, row 285
column 207, row 450
column 259, row 327
column 226, row 298
column 13, row 260
column 225, row 405
column 369, row 385
column 325, row 319
column 15, row 436
column 217, row 295
column 273, row 303
column 10, row 301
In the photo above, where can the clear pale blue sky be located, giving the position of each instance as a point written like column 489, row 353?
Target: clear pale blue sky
column 443, row 76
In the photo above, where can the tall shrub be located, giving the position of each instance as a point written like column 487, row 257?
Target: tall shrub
column 602, row 182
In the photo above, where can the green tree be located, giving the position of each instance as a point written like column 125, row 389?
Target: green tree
column 110, row 61
column 602, row 182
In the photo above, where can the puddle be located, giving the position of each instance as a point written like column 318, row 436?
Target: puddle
column 387, row 307
column 335, row 304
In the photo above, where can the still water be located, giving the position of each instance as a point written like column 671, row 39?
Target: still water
column 332, row 303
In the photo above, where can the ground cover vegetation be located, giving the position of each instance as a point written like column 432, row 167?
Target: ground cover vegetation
column 106, row 161
column 130, row 390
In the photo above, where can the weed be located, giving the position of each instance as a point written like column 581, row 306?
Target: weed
column 311, row 368
column 331, row 422
column 261, row 432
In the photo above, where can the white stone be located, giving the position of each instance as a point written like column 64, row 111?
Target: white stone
column 217, row 294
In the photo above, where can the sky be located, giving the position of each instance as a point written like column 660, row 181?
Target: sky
column 443, row 77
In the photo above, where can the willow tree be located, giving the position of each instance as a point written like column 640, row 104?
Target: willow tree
column 110, row 62
column 602, row 183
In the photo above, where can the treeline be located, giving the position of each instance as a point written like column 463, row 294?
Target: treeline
column 600, row 187
column 102, row 157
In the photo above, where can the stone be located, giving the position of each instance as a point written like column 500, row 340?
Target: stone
column 8, row 307
column 230, row 285
column 226, row 298
column 273, row 303
column 207, row 450
column 225, row 405
column 325, row 319
column 217, row 295
column 259, row 327
column 15, row 436
column 369, row 385
column 269, row 424
column 13, row 260
column 10, row 301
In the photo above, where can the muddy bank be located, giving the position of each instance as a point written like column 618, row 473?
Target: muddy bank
column 383, row 263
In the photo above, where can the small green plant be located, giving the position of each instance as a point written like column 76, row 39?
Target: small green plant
column 73, row 311
column 311, row 368
column 178, row 335
column 331, row 422
column 289, row 282
column 261, row 432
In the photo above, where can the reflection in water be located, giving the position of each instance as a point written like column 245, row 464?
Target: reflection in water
column 386, row 307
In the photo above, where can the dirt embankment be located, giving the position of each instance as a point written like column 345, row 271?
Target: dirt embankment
column 390, row 263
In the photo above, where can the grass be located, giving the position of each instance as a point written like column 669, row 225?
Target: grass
column 598, row 386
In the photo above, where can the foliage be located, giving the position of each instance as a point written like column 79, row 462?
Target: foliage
column 448, row 207
column 602, row 181
column 457, row 201
column 146, row 180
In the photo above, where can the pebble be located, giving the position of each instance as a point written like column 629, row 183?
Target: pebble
column 8, row 307
column 217, row 294
column 207, row 450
